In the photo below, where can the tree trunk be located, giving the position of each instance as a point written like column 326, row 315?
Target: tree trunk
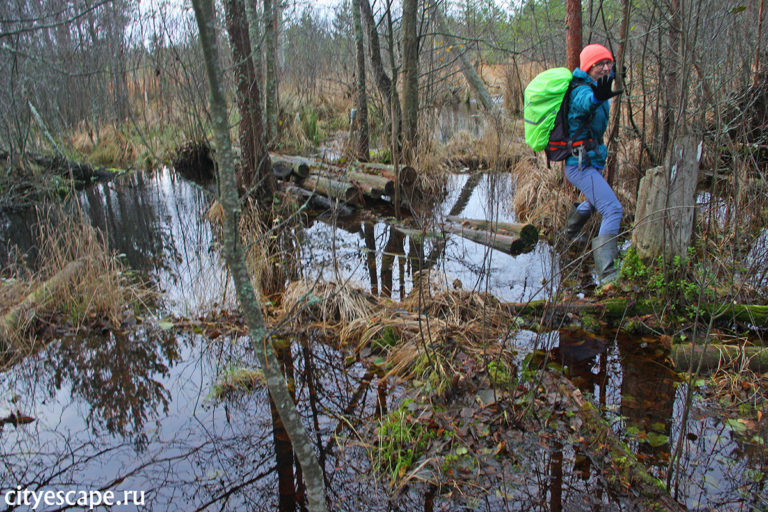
column 613, row 137
column 235, row 257
column 670, row 74
column 410, row 42
column 756, row 65
column 271, row 11
column 573, row 33
column 362, row 96
column 255, row 164
column 383, row 82
column 666, row 203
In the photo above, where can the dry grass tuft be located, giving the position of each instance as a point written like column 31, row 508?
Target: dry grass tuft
column 416, row 336
column 108, row 147
column 326, row 305
column 542, row 195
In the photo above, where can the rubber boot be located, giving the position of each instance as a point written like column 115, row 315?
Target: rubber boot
column 573, row 224
column 605, row 250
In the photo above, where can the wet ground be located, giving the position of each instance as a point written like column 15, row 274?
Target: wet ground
column 134, row 411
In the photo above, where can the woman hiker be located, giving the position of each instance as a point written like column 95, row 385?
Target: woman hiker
column 587, row 121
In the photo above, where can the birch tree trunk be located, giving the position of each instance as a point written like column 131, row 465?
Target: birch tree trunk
column 234, row 253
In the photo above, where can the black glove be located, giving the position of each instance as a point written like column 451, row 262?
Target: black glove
column 602, row 90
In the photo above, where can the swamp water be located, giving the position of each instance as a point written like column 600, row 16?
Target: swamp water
column 133, row 411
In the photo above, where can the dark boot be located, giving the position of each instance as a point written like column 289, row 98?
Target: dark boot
column 573, row 224
column 605, row 250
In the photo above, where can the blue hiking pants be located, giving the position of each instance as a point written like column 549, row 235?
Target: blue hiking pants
column 599, row 196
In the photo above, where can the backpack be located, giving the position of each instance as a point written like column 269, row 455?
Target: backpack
column 545, row 113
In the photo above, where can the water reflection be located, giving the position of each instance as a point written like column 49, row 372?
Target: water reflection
column 118, row 375
column 158, row 221
column 132, row 411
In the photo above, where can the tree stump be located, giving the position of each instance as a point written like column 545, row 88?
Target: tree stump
column 666, row 203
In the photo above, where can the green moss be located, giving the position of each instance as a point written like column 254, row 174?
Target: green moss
column 402, row 440
column 499, row 374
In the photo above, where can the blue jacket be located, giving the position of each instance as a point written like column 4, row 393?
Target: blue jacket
column 584, row 107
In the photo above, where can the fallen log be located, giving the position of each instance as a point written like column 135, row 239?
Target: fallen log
column 526, row 232
column 286, row 166
column 332, row 188
column 717, row 355
column 755, row 316
column 20, row 315
column 373, row 185
column 407, row 173
column 80, row 172
column 318, row 201
column 512, row 244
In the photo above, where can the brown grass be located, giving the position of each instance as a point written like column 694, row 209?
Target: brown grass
column 415, row 336
column 542, row 195
column 100, row 293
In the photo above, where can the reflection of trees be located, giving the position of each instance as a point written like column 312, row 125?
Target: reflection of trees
column 142, row 218
column 118, row 376
column 647, row 393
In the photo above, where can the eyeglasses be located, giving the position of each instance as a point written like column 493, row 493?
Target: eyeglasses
column 603, row 63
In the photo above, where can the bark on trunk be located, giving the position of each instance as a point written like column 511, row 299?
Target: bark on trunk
column 410, row 41
column 613, row 137
column 362, row 96
column 234, row 253
column 573, row 33
column 255, row 164
column 383, row 81
column 271, row 13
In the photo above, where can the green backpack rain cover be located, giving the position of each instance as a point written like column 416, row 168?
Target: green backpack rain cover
column 543, row 98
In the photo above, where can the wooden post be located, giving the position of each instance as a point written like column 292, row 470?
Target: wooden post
column 666, row 203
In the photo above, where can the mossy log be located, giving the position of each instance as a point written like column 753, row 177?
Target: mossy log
column 753, row 315
column 717, row 355
column 619, row 467
column 21, row 314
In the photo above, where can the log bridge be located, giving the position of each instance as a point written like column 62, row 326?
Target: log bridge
column 355, row 185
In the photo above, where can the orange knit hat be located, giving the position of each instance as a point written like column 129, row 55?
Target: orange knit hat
column 591, row 54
